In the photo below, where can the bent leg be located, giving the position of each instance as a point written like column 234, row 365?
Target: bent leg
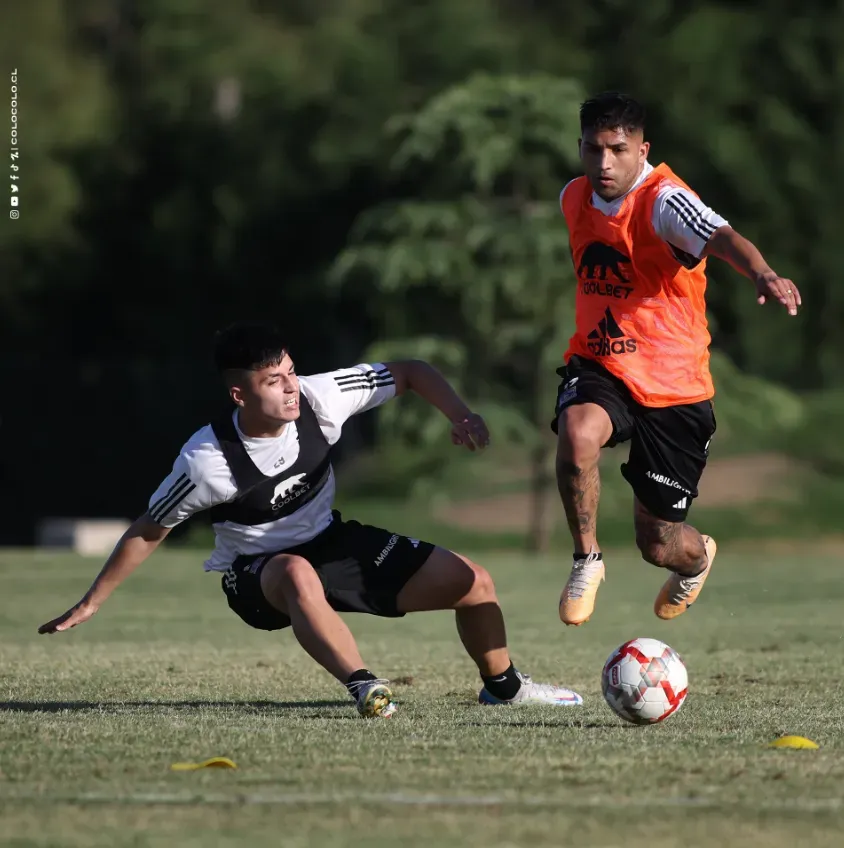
column 674, row 545
column 679, row 548
column 450, row 581
column 292, row 586
column 668, row 455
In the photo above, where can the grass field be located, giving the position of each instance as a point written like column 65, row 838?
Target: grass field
column 92, row 719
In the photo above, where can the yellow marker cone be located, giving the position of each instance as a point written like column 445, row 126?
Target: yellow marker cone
column 214, row 762
column 792, row 742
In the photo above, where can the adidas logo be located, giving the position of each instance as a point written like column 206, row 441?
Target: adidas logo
column 608, row 339
column 681, row 504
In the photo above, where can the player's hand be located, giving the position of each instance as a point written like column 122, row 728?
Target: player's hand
column 770, row 286
column 470, row 431
column 75, row 615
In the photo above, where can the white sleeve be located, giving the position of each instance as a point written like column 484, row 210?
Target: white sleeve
column 338, row 395
column 684, row 221
column 186, row 491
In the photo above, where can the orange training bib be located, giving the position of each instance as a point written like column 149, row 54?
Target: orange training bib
column 639, row 311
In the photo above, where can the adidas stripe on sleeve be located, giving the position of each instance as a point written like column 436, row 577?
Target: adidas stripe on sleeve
column 168, row 499
column 684, row 221
column 338, row 395
column 185, row 491
column 363, row 380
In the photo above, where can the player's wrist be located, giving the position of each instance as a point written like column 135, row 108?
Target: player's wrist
column 455, row 408
column 91, row 602
column 763, row 275
column 461, row 416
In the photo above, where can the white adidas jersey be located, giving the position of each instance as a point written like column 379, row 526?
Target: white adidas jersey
column 201, row 477
column 679, row 218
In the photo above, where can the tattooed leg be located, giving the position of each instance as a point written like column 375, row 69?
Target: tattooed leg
column 583, row 429
column 669, row 544
column 580, row 491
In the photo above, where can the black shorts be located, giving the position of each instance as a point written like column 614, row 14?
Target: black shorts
column 362, row 569
column 669, row 446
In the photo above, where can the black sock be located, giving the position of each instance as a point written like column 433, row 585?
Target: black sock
column 358, row 677
column 503, row 686
column 598, row 556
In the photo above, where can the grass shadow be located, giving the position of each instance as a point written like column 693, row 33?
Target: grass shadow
column 120, row 706
column 559, row 722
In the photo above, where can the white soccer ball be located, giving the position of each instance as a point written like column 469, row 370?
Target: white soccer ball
column 644, row 681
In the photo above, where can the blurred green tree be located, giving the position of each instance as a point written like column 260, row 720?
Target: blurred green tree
column 184, row 162
column 472, row 265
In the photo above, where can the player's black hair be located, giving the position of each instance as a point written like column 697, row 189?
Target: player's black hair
column 248, row 346
column 612, row 110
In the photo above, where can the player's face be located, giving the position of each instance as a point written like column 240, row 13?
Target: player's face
column 273, row 392
column 612, row 159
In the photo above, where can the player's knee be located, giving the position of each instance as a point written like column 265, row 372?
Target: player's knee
column 471, row 584
column 581, row 434
column 483, row 589
column 292, row 579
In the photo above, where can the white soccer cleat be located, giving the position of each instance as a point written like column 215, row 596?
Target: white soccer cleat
column 374, row 699
column 534, row 693
column 577, row 600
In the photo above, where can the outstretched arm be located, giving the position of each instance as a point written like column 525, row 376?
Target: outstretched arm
column 414, row 375
column 137, row 543
column 694, row 230
column 730, row 246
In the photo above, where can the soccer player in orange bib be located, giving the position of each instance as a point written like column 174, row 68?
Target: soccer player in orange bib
column 637, row 366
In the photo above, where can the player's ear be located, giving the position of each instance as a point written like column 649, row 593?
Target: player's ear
column 236, row 393
column 235, row 383
column 644, row 150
